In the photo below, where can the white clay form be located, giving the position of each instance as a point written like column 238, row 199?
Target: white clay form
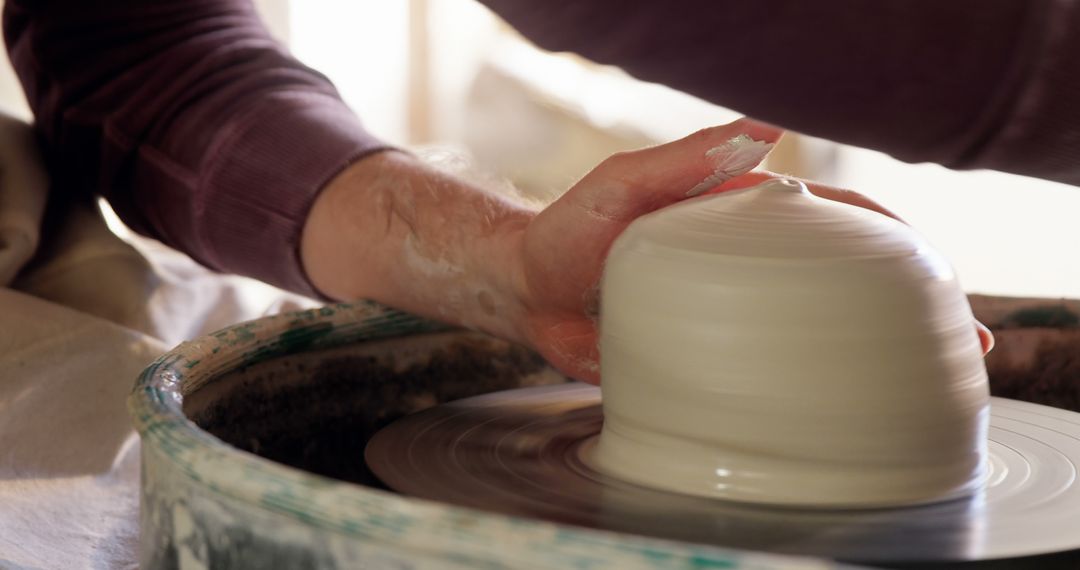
column 770, row 346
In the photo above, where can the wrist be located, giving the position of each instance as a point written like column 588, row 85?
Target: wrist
column 394, row 230
column 331, row 247
column 502, row 309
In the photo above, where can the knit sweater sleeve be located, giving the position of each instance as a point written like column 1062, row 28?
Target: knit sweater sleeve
column 964, row 83
column 200, row 129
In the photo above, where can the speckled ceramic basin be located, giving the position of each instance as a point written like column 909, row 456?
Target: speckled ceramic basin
column 252, row 453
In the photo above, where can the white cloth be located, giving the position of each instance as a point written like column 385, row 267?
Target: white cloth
column 69, row 465
column 90, row 312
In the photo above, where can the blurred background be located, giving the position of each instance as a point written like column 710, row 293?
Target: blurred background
column 447, row 74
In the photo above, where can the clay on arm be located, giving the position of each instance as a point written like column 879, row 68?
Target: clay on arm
column 199, row 128
column 965, row 83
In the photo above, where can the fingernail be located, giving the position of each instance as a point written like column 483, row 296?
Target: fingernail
column 737, row 156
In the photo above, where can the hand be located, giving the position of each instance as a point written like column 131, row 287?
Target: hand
column 562, row 250
column 394, row 230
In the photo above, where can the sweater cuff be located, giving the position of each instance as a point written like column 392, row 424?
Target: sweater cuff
column 266, row 171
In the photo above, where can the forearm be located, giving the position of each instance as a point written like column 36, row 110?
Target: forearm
column 394, row 230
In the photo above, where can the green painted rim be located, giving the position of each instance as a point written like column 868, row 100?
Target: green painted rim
column 353, row 510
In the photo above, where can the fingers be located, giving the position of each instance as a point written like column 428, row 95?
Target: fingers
column 986, row 337
column 570, row 345
column 630, row 184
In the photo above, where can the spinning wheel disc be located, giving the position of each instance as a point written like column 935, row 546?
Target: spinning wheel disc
column 521, row 453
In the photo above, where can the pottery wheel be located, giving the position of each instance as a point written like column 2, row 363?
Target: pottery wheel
column 520, row 453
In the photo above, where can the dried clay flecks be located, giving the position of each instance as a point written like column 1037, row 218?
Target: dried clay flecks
column 739, row 155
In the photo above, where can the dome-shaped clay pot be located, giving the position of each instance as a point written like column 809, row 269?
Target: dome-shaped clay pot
column 770, row 346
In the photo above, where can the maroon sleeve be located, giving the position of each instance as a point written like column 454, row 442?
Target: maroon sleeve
column 965, row 83
column 200, row 130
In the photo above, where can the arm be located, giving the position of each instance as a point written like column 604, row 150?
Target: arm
column 230, row 168
column 204, row 134
column 965, row 83
column 393, row 230
column 200, row 130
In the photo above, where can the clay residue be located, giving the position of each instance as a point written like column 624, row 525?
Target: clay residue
column 427, row 265
column 737, row 156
